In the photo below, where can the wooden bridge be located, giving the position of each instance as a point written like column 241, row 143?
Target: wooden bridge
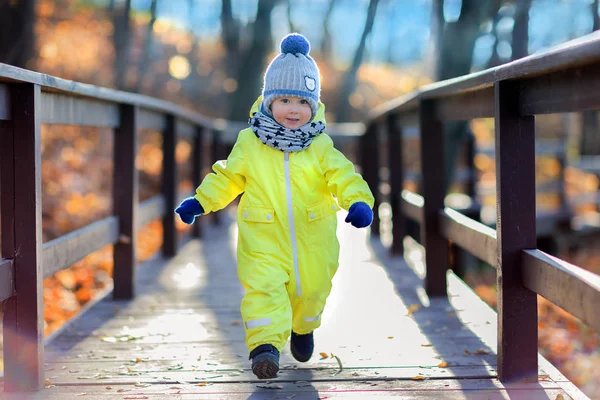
column 399, row 323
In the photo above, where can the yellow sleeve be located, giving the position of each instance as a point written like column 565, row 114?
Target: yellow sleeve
column 342, row 180
column 228, row 180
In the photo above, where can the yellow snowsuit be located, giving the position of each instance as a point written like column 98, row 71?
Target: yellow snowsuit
column 287, row 246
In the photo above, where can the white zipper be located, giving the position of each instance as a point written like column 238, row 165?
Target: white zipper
column 288, row 192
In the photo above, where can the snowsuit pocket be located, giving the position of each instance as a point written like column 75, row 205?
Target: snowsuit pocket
column 321, row 210
column 259, row 214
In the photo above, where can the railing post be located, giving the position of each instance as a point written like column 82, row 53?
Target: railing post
column 432, row 181
column 197, row 164
column 20, row 153
column 516, row 231
column 125, row 201
column 216, row 152
column 395, row 162
column 369, row 162
column 169, row 188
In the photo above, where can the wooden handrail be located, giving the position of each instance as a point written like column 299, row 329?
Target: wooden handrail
column 66, row 250
column 563, row 79
column 566, row 285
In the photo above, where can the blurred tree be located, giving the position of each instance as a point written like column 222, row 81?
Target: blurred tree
column 17, row 19
column 291, row 27
column 230, row 28
column 251, row 67
column 326, row 45
column 520, row 34
column 349, row 83
column 456, row 41
column 590, row 137
column 121, row 37
column 145, row 59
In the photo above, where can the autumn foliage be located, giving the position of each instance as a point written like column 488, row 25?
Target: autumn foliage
column 75, row 43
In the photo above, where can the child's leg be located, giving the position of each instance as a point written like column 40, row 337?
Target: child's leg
column 266, row 309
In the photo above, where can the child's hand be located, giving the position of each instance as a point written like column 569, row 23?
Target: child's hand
column 189, row 209
column 360, row 215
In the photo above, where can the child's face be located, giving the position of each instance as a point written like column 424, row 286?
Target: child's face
column 291, row 112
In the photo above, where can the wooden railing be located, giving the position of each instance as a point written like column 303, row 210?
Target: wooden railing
column 29, row 99
column 564, row 79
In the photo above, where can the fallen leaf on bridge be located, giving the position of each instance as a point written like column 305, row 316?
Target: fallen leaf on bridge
column 412, row 308
column 443, row 364
column 418, row 378
column 323, row 355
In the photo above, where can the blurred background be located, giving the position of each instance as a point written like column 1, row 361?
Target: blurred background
column 210, row 56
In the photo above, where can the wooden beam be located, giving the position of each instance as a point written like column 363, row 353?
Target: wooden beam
column 370, row 164
column 466, row 105
column 432, row 182
column 11, row 74
column 169, row 187
column 24, row 313
column 63, row 109
column 516, row 231
column 184, row 129
column 412, row 205
column 7, row 279
column 566, row 285
column 62, row 252
column 150, row 209
column 125, row 199
column 197, row 166
column 568, row 90
column 470, row 235
column 396, row 180
column 149, row 119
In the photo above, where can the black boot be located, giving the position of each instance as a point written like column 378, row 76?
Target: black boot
column 265, row 361
column 302, row 346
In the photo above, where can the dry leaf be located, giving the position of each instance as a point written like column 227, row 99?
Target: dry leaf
column 390, row 337
column 543, row 377
column 108, row 388
column 202, row 384
column 467, row 352
column 324, row 355
column 481, row 352
column 82, row 394
column 412, row 308
column 418, row 378
column 426, row 345
column 443, row 364
column 559, row 397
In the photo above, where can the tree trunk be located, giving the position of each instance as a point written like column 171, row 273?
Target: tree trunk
column 455, row 59
column 520, row 37
column 121, row 23
column 251, row 68
column 17, row 20
column 326, row 46
column 146, row 59
column 291, row 26
column 343, row 113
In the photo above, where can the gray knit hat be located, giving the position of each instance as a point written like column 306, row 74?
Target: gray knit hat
column 293, row 73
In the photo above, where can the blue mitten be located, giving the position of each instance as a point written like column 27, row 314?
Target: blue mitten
column 360, row 215
column 189, row 209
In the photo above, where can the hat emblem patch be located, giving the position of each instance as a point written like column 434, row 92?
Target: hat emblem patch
column 310, row 83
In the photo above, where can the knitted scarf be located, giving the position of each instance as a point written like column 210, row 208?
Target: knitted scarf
column 280, row 138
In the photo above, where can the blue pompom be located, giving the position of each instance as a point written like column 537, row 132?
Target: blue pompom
column 295, row 43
